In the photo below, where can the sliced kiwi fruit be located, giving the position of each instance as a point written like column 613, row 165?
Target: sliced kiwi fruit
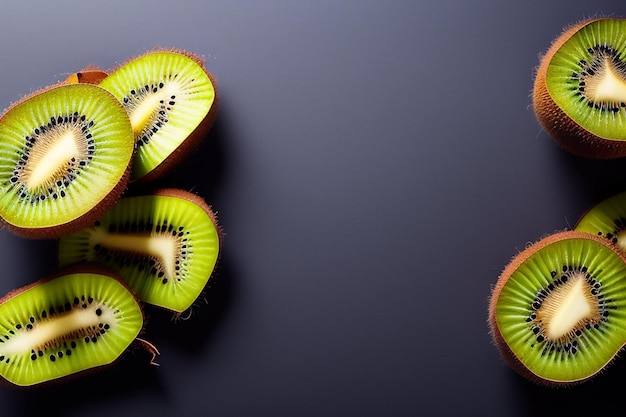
column 77, row 320
column 580, row 89
column 607, row 219
column 65, row 157
column 558, row 311
column 171, row 99
column 165, row 245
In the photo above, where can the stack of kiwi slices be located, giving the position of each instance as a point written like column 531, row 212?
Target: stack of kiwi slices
column 80, row 163
column 557, row 313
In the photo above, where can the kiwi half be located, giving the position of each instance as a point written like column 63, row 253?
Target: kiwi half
column 164, row 245
column 65, row 156
column 558, row 310
column 171, row 99
column 580, row 89
column 77, row 320
column 607, row 219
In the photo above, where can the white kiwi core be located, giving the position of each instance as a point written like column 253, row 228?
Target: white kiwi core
column 50, row 158
column 162, row 247
column 45, row 333
column 607, row 85
column 568, row 308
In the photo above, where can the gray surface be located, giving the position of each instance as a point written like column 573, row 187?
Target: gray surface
column 374, row 165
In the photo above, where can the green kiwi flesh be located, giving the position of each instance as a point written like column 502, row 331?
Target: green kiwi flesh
column 607, row 219
column 66, row 324
column 558, row 310
column 164, row 245
column 580, row 89
column 65, row 156
column 171, row 100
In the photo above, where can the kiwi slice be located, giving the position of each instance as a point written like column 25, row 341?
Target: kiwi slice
column 607, row 219
column 558, row 310
column 74, row 321
column 580, row 89
column 171, row 100
column 65, row 157
column 164, row 245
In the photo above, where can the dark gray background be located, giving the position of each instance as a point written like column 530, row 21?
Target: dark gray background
column 374, row 165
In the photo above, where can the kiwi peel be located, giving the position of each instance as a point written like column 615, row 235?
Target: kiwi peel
column 171, row 99
column 89, row 75
column 165, row 245
column 77, row 320
column 579, row 93
column 558, row 311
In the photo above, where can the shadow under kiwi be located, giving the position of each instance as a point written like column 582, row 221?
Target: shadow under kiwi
column 202, row 171
column 193, row 331
column 592, row 179
column 602, row 392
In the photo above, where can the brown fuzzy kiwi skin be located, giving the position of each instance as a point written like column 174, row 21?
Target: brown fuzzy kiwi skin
column 571, row 136
column 88, row 75
column 53, row 232
column 506, row 353
column 195, row 137
column 85, row 267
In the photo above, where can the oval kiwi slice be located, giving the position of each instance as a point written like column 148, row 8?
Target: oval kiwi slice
column 607, row 219
column 164, row 245
column 580, row 89
column 558, row 310
column 171, row 100
column 66, row 324
column 65, row 155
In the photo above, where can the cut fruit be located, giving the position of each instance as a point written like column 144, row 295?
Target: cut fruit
column 164, row 245
column 75, row 321
column 65, row 156
column 171, row 100
column 558, row 310
column 607, row 219
column 580, row 89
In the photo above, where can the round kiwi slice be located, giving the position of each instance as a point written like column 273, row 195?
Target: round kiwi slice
column 171, row 100
column 65, row 156
column 164, row 245
column 580, row 89
column 77, row 320
column 558, row 310
column 607, row 219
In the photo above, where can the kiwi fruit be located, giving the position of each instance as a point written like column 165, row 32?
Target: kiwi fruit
column 579, row 93
column 558, row 311
column 171, row 100
column 165, row 245
column 65, row 157
column 77, row 320
column 89, row 75
column 607, row 219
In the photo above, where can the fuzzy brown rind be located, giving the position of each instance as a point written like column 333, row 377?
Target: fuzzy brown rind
column 88, row 75
column 564, row 131
column 506, row 353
